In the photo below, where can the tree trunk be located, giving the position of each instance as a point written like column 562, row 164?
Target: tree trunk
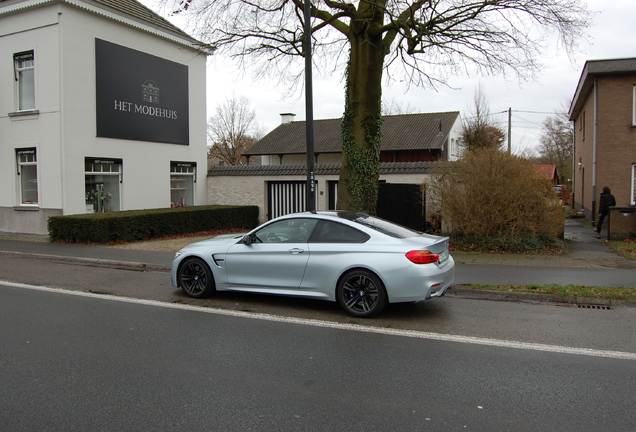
column 362, row 122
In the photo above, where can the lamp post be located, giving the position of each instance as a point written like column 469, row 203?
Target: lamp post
column 309, row 112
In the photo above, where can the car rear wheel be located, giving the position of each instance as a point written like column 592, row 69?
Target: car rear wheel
column 195, row 278
column 361, row 294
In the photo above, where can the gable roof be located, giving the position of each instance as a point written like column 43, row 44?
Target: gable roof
column 138, row 10
column 399, row 132
column 547, row 172
column 131, row 8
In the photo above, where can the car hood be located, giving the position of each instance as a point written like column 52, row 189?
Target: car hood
column 216, row 241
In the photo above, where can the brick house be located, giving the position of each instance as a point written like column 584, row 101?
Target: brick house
column 604, row 114
column 411, row 146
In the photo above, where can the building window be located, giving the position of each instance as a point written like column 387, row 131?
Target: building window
column 182, row 179
column 102, row 184
column 634, row 184
column 28, row 173
column 634, row 106
column 583, row 126
column 24, row 64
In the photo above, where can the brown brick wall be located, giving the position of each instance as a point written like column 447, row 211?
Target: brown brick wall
column 616, row 142
column 616, row 137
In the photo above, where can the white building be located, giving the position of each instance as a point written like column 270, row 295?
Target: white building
column 102, row 108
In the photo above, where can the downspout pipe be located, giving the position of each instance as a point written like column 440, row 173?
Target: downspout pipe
column 594, row 148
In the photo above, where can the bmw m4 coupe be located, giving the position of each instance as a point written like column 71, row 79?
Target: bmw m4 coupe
column 360, row 261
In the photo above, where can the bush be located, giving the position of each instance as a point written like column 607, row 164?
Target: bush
column 492, row 193
column 135, row 225
column 523, row 244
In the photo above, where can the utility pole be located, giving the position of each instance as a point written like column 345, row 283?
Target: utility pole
column 509, row 130
column 309, row 110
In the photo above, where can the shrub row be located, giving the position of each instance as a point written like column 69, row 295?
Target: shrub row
column 519, row 244
column 135, row 225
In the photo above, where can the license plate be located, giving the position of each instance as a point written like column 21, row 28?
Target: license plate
column 444, row 256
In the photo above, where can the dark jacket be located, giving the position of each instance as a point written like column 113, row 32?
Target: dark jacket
column 607, row 200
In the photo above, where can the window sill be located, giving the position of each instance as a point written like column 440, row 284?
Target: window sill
column 25, row 113
column 27, row 207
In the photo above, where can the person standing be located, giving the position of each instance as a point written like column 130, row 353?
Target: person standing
column 607, row 200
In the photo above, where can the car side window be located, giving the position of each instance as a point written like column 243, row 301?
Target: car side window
column 334, row 232
column 286, row 231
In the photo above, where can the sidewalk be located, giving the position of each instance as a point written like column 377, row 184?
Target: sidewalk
column 586, row 252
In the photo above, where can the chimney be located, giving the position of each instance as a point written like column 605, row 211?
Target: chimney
column 287, row 117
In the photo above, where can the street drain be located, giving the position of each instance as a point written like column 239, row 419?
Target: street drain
column 588, row 306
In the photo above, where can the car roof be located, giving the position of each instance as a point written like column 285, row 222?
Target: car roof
column 336, row 214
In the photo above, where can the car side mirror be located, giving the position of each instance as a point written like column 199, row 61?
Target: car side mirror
column 248, row 239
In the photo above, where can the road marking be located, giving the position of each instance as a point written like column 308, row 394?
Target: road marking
column 340, row 326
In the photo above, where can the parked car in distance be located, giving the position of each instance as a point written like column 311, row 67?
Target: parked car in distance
column 360, row 261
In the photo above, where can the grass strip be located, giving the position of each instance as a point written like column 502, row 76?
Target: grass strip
column 626, row 248
column 596, row 292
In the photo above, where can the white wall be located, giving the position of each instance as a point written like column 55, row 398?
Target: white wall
column 146, row 165
column 64, row 129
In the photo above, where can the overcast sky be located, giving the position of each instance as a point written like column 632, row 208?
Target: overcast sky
column 531, row 102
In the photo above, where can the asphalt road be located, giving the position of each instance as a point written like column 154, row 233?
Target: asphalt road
column 91, row 362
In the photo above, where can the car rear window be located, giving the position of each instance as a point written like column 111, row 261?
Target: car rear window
column 386, row 227
column 333, row 232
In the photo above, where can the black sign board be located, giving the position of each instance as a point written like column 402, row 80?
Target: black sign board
column 140, row 96
column 107, row 161
column 183, row 164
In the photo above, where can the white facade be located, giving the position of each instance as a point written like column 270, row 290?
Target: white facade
column 62, row 126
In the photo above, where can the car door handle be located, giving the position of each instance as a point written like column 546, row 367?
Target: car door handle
column 296, row 251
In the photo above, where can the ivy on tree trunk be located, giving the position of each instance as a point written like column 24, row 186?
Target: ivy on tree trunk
column 362, row 119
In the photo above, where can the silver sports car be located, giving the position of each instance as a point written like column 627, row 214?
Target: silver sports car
column 360, row 261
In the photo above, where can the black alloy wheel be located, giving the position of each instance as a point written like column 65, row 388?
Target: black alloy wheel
column 361, row 294
column 195, row 278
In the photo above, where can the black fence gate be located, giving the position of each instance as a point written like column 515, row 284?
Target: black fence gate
column 404, row 204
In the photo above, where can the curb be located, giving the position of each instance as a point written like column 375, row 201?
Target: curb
column 93, row 262
column 477, row 294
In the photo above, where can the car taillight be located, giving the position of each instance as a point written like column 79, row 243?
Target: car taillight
column 422, row 257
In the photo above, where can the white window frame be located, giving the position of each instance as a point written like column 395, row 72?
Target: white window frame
column 634, row 184
column 183, row 177
column 23, row 63
column 634, row 105
column 94, row 200
column 27, row 157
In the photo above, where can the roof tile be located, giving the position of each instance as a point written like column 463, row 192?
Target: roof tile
column 399, row 132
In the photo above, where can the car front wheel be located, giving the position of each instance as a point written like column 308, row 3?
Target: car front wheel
column 195, row 278
column 361, row 294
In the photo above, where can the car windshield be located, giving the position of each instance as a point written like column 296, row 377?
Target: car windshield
column 385, row 227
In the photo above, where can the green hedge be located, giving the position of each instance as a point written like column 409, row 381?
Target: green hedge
column 518, row 244
column 135, row 225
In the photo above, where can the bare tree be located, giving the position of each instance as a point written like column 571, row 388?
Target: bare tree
column 395, row 107
column 478, row 130
column 232, row 130
column 424, row 41
column 557, row 144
